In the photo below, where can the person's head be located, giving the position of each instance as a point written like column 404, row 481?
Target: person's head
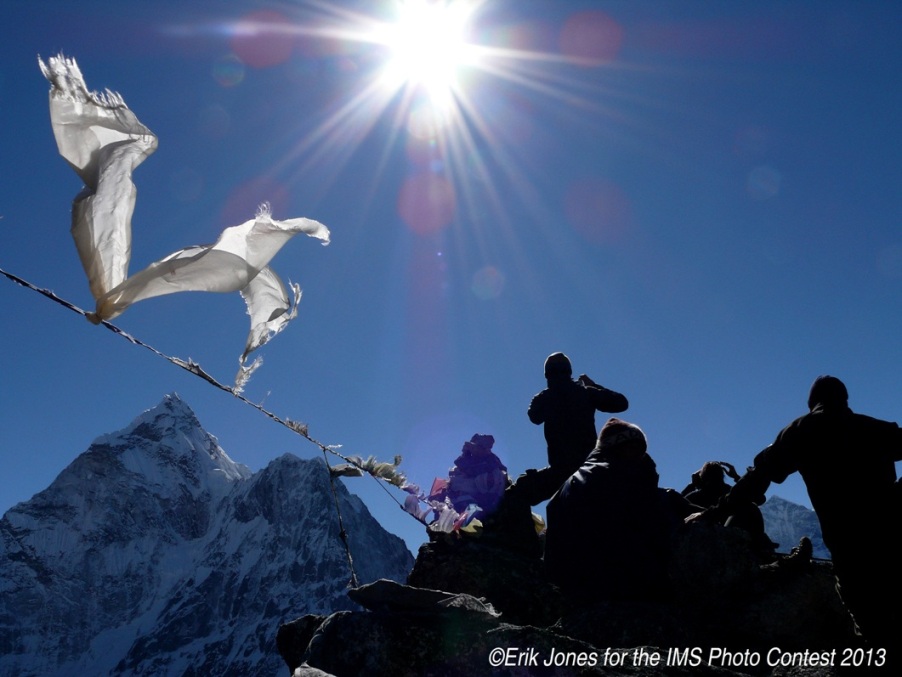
column 621, row 439
column 828, row 391
column 478, row 445
column 711, row 475
column 469, row 449
column 557, row 367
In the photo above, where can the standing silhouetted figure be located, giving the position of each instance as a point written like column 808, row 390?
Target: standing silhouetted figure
column 567, row 409
column 847, row 461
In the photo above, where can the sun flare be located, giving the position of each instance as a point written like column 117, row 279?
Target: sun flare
column 428, row 46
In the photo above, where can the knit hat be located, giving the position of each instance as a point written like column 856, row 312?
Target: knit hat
column 557, row 365
column 829, row 391
column 618, row 436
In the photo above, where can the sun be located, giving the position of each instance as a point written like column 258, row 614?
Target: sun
column 427, row 46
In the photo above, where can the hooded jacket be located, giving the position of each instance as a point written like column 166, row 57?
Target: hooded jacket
column 609, row 530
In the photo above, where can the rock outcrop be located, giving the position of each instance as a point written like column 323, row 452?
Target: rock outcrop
column 476, row 608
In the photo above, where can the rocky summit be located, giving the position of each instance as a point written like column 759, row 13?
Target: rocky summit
column 476, row 606
column 154, row 553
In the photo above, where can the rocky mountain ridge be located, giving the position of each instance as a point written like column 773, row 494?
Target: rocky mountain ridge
column 154, row 553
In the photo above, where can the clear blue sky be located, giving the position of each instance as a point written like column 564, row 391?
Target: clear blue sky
column 698, row 202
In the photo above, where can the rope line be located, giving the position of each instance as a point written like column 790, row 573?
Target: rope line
column 342, row 534
column 194, row 368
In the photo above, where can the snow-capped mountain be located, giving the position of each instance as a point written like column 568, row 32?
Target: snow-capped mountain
column 786, row 522
column 154, row 553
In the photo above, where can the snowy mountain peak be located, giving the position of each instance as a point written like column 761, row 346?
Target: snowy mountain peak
column 169, row 439
column 786, row 522
column 154, row 553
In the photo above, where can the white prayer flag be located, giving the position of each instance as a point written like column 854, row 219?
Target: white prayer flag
column 103, row 141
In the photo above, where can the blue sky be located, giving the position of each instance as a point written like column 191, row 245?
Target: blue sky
column 698, row 202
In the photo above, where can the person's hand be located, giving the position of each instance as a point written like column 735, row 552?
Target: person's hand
column 730, row 470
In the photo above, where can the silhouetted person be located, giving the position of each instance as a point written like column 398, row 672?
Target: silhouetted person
column 609, row 526
column 567, row 409
column 847, row 461
column 708, row 488
column 477, row 477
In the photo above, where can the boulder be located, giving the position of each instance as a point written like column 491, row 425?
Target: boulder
column 475, row 607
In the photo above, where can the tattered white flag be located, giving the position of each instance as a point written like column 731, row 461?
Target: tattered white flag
column 103, row 141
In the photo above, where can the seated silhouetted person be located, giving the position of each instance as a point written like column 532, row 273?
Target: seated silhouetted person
column 847, row 461
column 609, row 526
column 708, row 485
column 707, row 489
column 567, row 409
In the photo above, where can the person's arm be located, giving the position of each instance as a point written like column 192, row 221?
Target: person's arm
column 536, row 411
column 604, row 400
column 774, row 464
column 748, row 489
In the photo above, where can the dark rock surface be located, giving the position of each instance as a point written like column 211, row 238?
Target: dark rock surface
column 473, row 608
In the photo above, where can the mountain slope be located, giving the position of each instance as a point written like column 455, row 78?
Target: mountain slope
column 154, row 553
column 786, row 522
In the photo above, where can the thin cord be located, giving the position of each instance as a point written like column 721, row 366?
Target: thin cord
column 194, row 368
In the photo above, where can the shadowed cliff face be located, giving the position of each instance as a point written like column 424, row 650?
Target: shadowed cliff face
column 155, row 553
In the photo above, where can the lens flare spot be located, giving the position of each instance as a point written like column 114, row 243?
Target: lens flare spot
column 488, row 283
column 763, row 183
column 263, row 38
column 427, row 203
column 591, row 37
column 599, row 210
column 229, row 70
